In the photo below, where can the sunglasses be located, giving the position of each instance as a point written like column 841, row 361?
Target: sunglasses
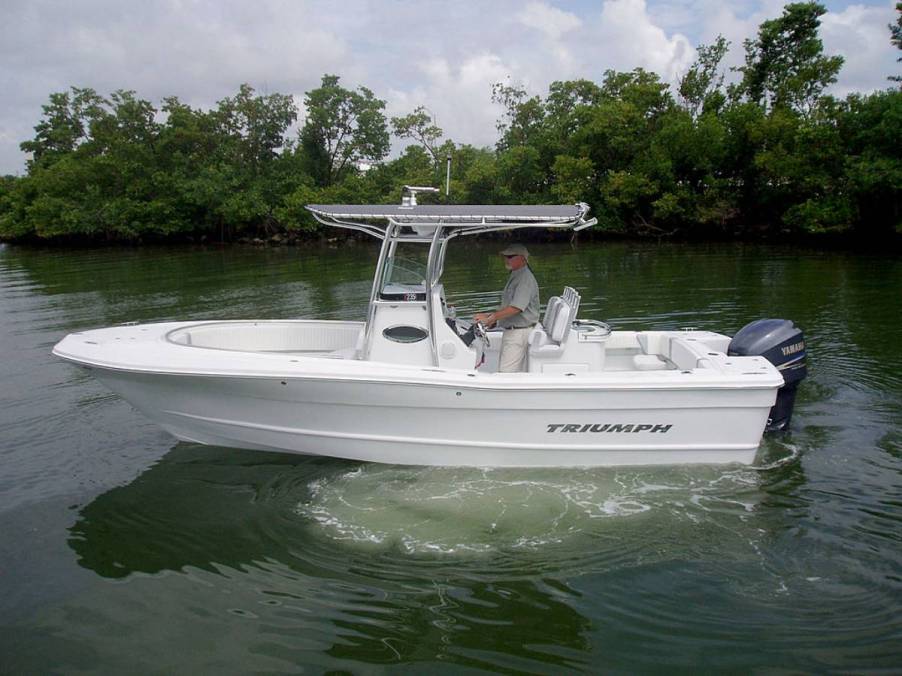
column 511, row 256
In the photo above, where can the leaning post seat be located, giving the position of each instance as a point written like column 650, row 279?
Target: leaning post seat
column 572, row 298
column 554, row 347
column 560, row 313
column 540, row 335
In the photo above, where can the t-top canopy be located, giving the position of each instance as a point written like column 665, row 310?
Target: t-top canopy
column 456, row 219
column 458, row 213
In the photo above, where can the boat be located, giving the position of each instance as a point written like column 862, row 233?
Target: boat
column 413, row 384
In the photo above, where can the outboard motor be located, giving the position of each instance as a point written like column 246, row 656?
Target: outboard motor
column 781, row 342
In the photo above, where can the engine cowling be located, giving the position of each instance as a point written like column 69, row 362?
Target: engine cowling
column 782, row 343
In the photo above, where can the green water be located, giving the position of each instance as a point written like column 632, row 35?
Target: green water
column 122, row 551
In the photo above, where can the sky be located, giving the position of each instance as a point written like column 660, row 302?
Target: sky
column 443, row 55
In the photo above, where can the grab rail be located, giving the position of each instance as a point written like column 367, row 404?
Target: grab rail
column 604, row 326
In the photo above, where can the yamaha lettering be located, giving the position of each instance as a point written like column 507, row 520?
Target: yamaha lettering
column 565, row 428
column 793, row 349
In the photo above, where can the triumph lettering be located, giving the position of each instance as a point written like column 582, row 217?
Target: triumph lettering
column 621, row 428
column 614, row 428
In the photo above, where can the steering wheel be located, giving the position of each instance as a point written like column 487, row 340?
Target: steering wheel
column 480, row 332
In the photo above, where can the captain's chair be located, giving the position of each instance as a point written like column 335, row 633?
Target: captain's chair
column 554, row 347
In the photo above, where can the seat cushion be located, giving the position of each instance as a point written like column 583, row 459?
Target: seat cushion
column 537, row 337
column 551, row 310
column 560, row 327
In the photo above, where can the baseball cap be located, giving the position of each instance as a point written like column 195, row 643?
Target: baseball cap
column 514, row 250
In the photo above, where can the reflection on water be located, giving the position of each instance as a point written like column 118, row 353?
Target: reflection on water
column 235, row 521
column 133, row 555
column 467, row 565
column 208, row 507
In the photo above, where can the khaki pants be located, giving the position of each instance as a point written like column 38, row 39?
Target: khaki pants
column 513, row 350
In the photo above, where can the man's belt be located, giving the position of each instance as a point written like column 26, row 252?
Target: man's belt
column 508, row 328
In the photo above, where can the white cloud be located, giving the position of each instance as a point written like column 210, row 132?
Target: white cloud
column 860, row 35
column 551, row 21
column 627, row 37
column 197, row 51
column 619, row 35
column 456, row 97
column 409, row 52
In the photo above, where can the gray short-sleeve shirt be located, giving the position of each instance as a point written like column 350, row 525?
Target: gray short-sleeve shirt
column 521, row 291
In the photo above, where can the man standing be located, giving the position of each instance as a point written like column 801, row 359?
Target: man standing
column 519, row 309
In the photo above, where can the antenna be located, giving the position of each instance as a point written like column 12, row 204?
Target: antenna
column 409, row 198
column 448, row 176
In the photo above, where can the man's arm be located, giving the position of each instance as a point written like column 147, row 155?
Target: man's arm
column 492, row 318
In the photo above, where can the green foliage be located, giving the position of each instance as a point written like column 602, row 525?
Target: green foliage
column 343, row 127
column 67, row 122
column 574, row 178
column 785, row 65
column 769, row 156
column 419, row 126
column 522, row 118
column 520, row 175
column 871, row 130
column 895, row 31
column 481, row 180
column 700, row 87
column 14, row 197
column 640, row 89
column 828, row 214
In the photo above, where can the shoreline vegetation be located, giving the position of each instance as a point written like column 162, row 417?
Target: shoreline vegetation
column 769, row 156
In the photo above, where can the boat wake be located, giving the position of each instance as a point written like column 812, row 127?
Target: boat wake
column 443, row 510
column 782, row 453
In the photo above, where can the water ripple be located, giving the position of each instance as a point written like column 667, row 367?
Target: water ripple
column 162, row 557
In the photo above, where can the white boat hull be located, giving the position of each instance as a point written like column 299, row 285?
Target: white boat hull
column 390, row 414
column 412, row 385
